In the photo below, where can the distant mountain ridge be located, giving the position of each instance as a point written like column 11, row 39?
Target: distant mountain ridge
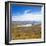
column 26, row 22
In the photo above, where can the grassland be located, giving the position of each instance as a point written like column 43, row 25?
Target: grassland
column 33, row 32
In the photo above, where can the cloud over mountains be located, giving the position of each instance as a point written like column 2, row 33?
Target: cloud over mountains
column 27, row 16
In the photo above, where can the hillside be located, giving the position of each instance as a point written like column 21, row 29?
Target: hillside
column 33, row 32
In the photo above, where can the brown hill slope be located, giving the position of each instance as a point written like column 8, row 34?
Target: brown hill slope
column 33, row 32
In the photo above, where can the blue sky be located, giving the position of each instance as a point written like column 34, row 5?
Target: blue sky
column 25, row 13
column 21, row 9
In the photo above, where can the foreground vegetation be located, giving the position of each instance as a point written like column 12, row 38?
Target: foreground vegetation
column 33, row 32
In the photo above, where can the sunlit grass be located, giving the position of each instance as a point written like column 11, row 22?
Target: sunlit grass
column 33, row 32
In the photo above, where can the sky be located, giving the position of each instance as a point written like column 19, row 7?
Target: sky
column 25, row 13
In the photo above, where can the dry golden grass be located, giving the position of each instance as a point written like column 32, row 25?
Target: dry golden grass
column 33, row 32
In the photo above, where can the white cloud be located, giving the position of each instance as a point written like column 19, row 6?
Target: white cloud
column 27, row 17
